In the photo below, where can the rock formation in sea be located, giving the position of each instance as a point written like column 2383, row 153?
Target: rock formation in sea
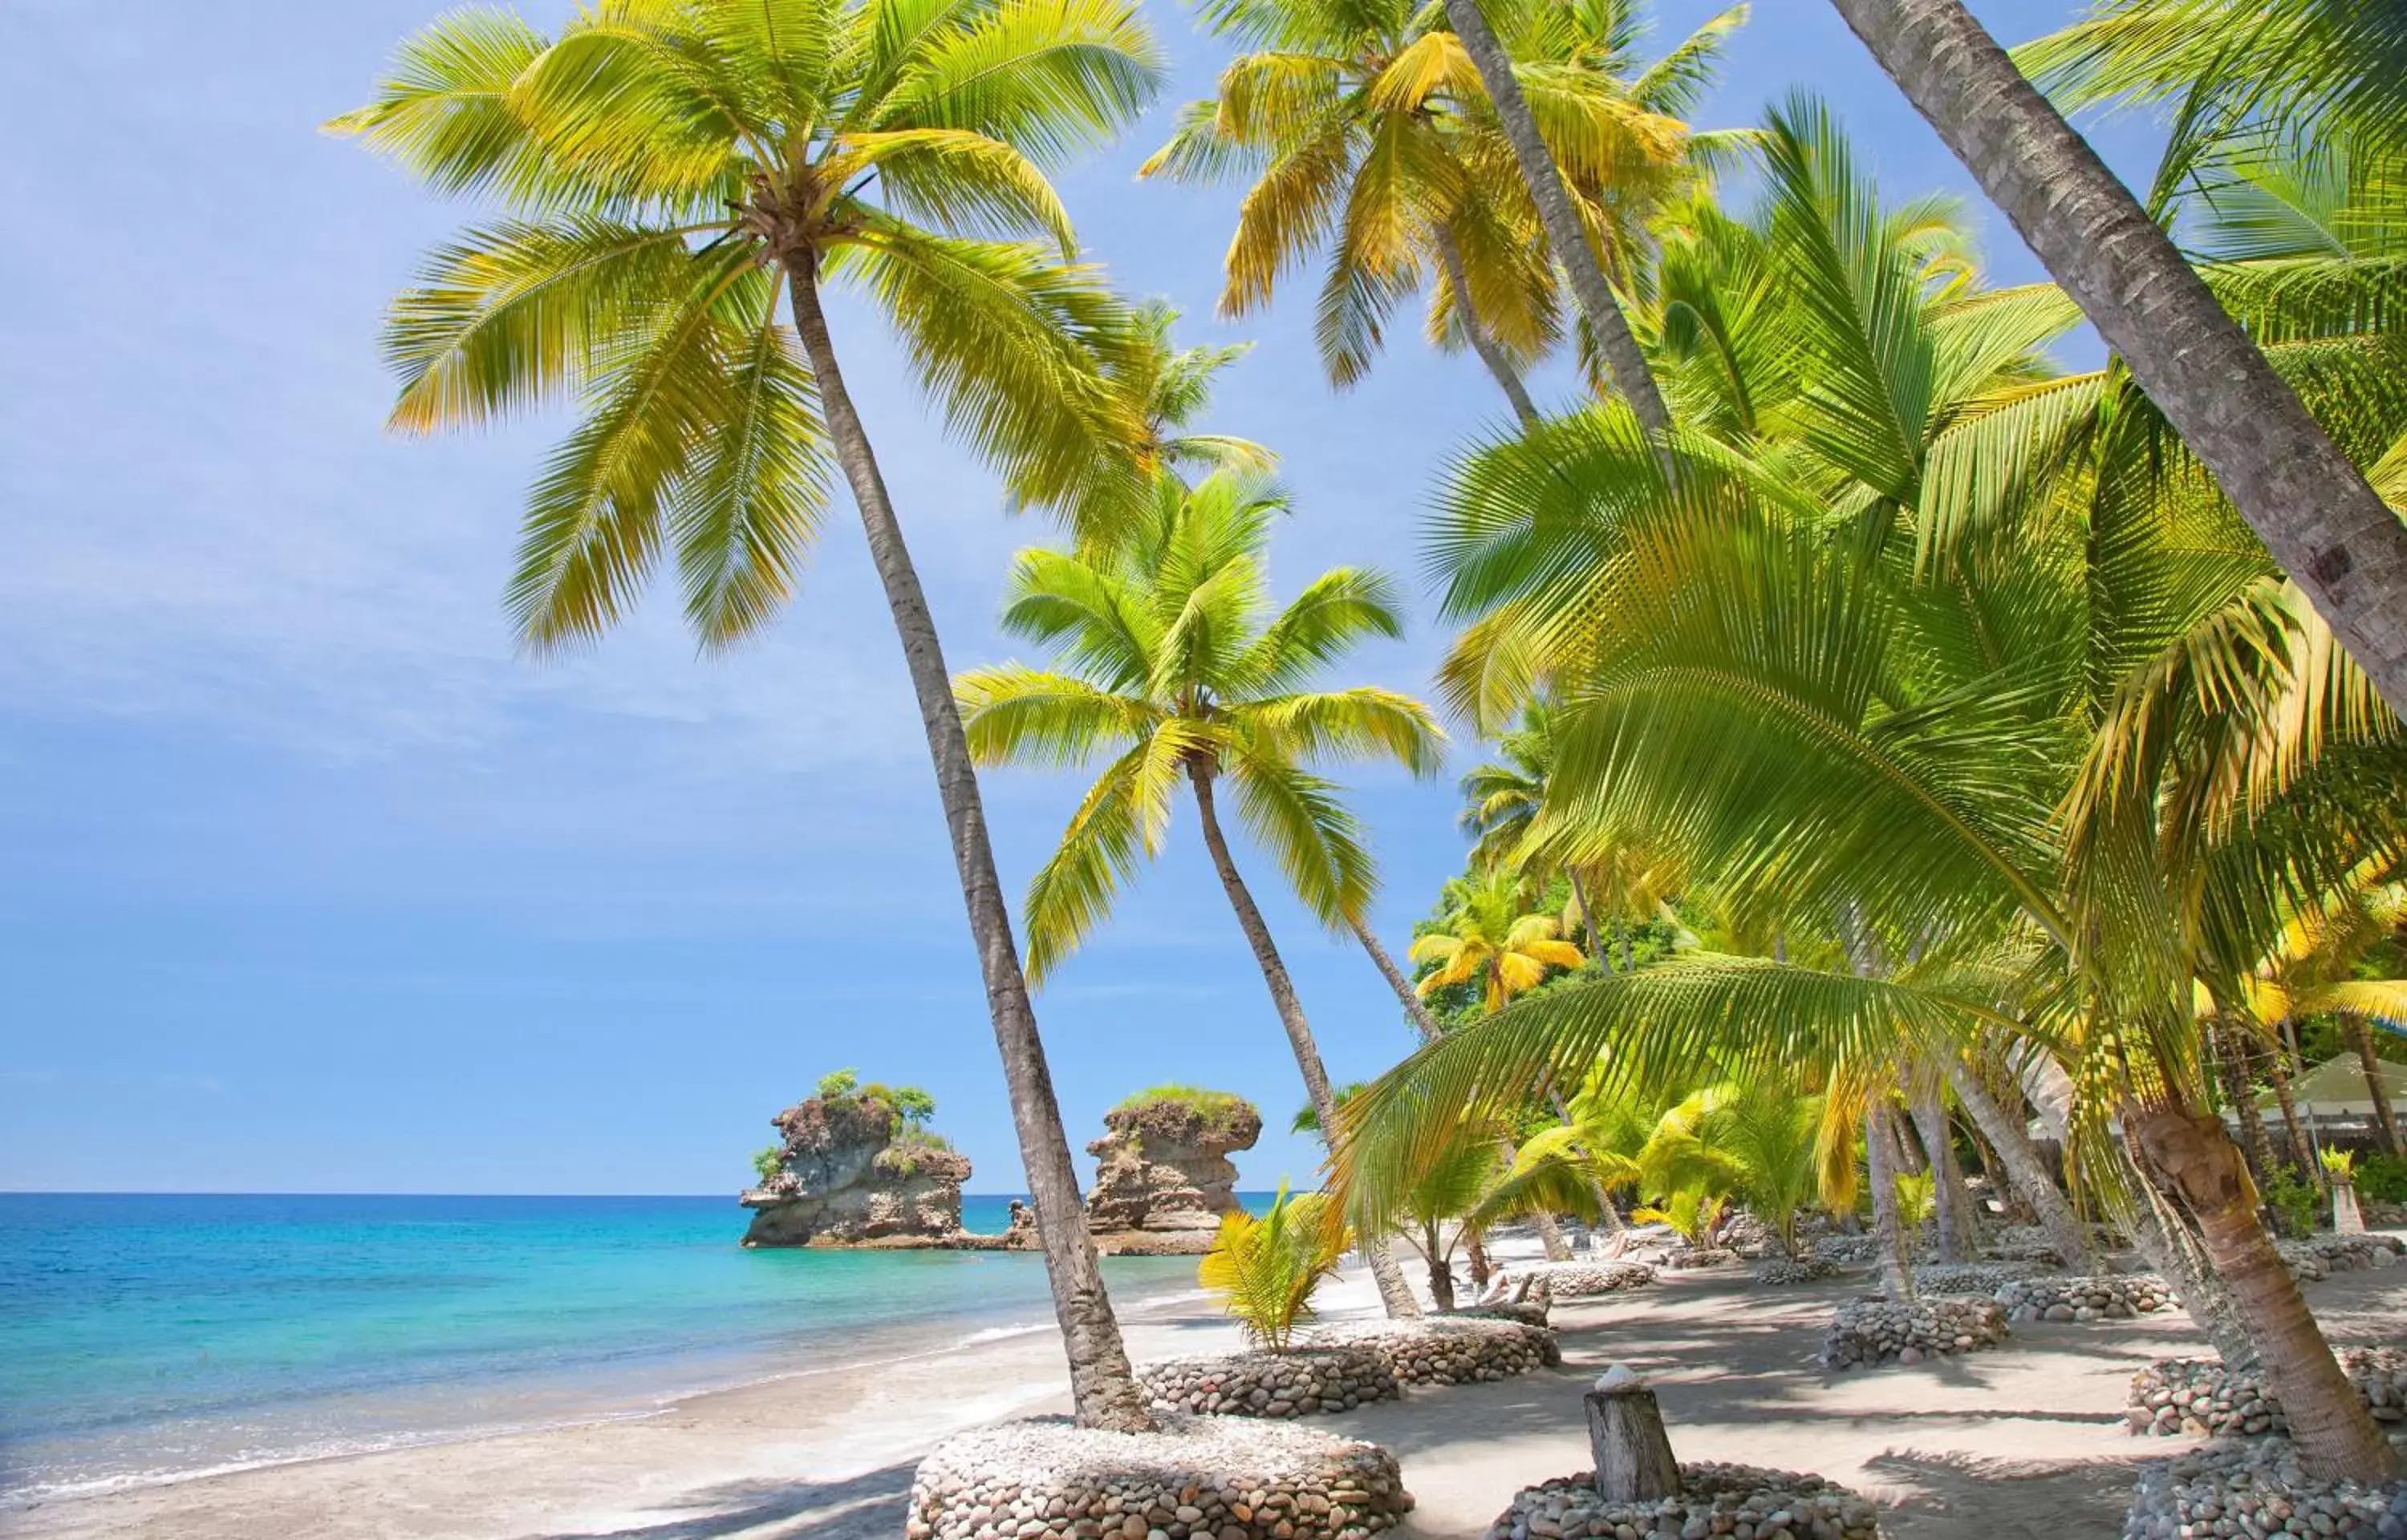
column 854, row 1168
column 1163, row 1177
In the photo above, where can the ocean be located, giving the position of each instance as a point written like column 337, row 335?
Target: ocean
column 145, row 1339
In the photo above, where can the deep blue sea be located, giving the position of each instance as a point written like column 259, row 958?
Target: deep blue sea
column 144, row 1339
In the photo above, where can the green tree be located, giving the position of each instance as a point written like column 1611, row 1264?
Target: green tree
column 1487, row 938
column 1975, row 660
column 676, row 181
column 2305, row 497
column 1172, row 665
column 1366, row 136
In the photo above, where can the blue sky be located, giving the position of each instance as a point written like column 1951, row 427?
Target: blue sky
column 308, row 884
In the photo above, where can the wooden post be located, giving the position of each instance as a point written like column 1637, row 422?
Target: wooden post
column 1625, row 1431
column 2347, row 1218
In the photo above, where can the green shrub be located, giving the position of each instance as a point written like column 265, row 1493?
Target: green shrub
column 1917, row 1199
column 2339, row 1164
column 769, row 1161
column 1214, row 1110
column 1265, row 1269
column 2383, row 1178
column 2295, row 1202
column 1692, row 1211
column 838, row 1085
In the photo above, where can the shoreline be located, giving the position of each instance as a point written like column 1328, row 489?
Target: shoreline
column 782, row 1366
column 2025, row 1441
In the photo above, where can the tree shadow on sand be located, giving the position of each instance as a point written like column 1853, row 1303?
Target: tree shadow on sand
column 869, row 1506
column 1958, row 1494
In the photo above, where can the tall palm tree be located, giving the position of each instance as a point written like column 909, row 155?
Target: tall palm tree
column 1487, row 938
column 676, row 181
column 1552, row 197
column 2313, row 508
column 1171, row 664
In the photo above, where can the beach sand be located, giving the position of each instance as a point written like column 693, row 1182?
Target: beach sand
column 2025, row 1441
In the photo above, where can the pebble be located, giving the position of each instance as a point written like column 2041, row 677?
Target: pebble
column 1879, row 1332
column 1199, row 1478
column 2173, row 1396
column 2235, row 1489
column 1717, row 1500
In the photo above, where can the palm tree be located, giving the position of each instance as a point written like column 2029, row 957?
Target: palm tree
column 2305, row 499
column 1169, row 666
column 2314, row 971
column 1965, row 652
column 1487, row 940
column 1567, row 234
column 678, row 180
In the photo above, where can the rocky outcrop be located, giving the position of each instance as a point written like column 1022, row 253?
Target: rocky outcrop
column 1162, row 1175
column 851, row 1173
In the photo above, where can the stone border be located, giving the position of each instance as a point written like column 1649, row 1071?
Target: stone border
column 1529, row 1312
column 1305, row 1379
column 1716, row 1500
column 1876, row 1331
column 1451, row 1351
column 2174, row 1396
column 2313, row 1261
column 2062, row 1299
column 1590, row 1280
column 1208, row 1479
column 1972, row 1277
column 1779, row 1271
column 2246, row 1489
column 1682, row 1258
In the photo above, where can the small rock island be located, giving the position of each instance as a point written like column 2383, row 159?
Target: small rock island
column 1163, row 1177
column 857, row 1165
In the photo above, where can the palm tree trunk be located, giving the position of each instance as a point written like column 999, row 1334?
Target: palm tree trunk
column 2314, row 509
column 1441, row 1268
column 1587, row 915
column 2167, row 1244
column 2303, row 1149
column 1102, row 1389
column 1415, row 1006
column 1564, row 231
column 2230, row 1045
column 1475, row 331
column 1960, row 1231
column 2374, row 1086
column 2336, row 1435
column 1393, row 1292
column 1880, row 1169
column 2021, row 1159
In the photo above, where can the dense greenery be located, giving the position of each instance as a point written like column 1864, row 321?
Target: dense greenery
column 1898, row 737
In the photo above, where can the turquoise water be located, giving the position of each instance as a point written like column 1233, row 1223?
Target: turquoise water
column 148, row 1337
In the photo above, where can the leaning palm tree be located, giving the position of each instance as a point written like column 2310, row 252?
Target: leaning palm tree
column 676, row 182
column 1485, row 938
column 1367, row 139
column 2310, row 504
column 1171, row 664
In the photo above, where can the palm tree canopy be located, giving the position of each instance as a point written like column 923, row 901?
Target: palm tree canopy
column 1486, row 938
column 1170, row 659
column 659, row 166
column 1367, row 140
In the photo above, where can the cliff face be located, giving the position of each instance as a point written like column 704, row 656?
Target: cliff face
column 846, row 1182
column 1162, row 1175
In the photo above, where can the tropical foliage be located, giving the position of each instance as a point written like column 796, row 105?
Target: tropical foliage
column 1265, row 1269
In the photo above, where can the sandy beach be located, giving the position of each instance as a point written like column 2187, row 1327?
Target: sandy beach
column 2027, row 1441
